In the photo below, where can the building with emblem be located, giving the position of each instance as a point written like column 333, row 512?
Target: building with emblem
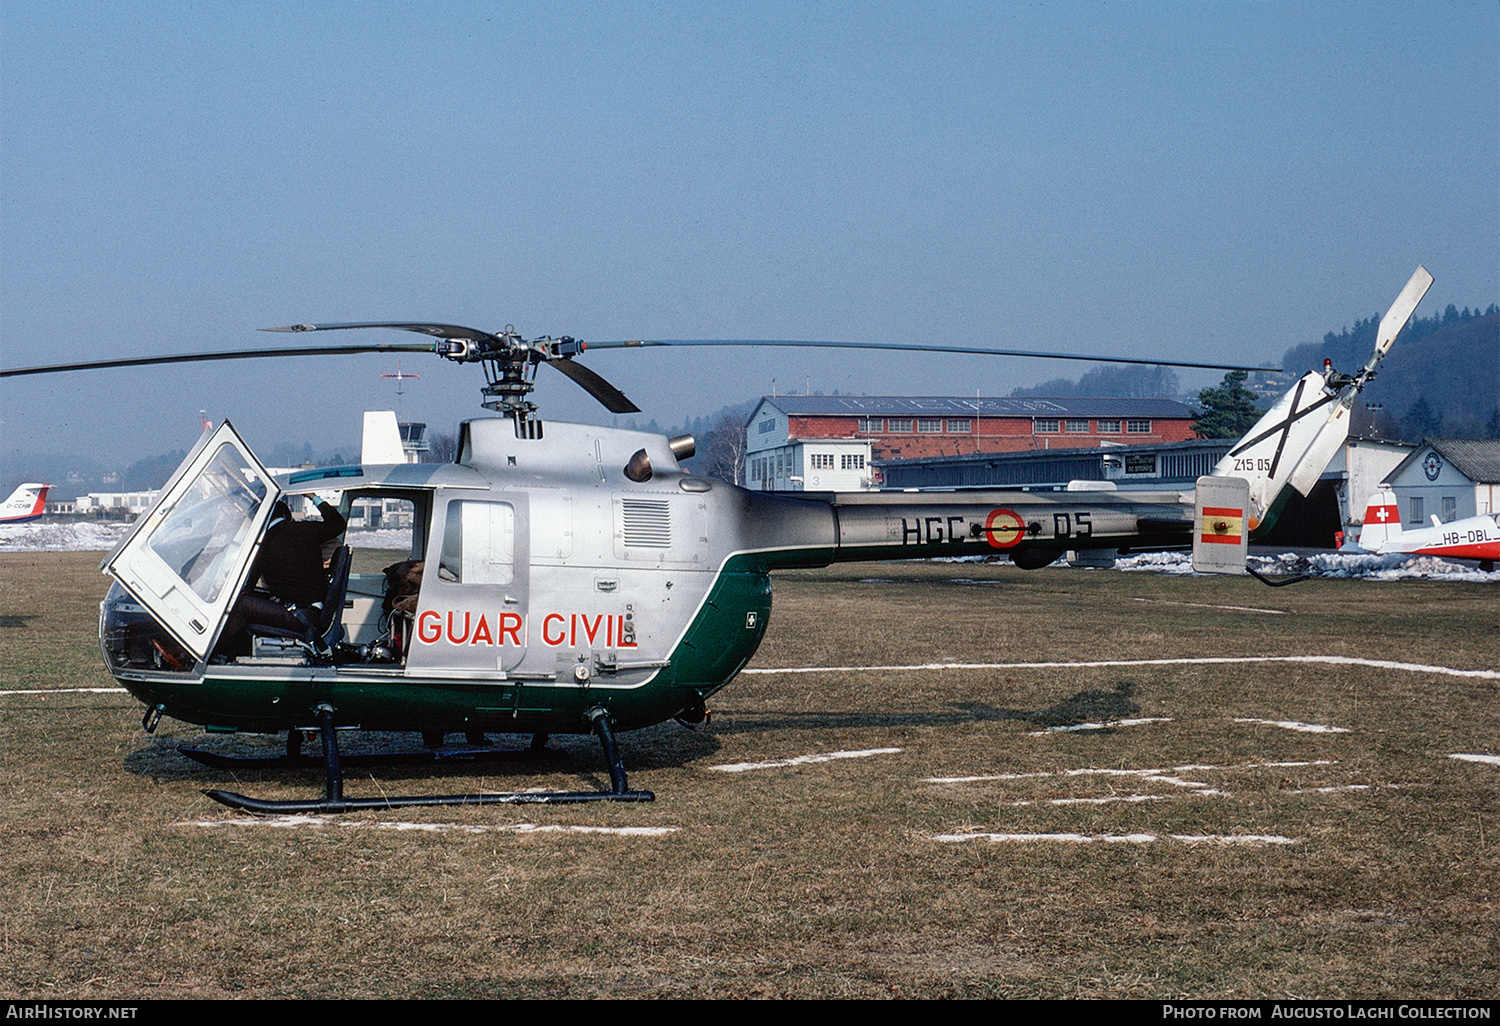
column 1449, row 478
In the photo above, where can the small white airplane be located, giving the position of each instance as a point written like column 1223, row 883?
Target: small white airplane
column 26, row 503
column 1470, row 538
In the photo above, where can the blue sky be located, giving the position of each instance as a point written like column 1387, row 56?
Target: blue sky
column 1200, row 180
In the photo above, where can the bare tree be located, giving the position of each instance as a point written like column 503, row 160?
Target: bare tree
column 724, row 450
column 443, row 448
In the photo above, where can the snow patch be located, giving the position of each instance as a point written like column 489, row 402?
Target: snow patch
column 1364, row 566
column 104, row 535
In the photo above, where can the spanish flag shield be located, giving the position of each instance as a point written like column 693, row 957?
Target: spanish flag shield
column 1222, row 525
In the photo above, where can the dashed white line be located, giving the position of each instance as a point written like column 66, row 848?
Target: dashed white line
column 1212, row 605
column 1141, row 721
column 1166, row 774
column 802, row 760
column 1493, row 760
column 1225, row 839
column 1306, row 728
column 1380, row 664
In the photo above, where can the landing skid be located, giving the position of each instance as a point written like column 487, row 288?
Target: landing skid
column 296, row 760
column 333, row 799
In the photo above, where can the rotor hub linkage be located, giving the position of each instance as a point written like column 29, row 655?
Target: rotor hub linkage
column 510, row 364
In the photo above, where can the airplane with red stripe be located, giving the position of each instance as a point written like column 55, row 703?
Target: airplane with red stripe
column 1470, row 538
column 26, row 503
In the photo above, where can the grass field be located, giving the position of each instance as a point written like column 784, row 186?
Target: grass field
column 1228, row 845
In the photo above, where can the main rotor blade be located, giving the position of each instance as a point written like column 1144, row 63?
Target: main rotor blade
column 922, row 348
column 613, row 399
column 237, row 354
column 435, row 330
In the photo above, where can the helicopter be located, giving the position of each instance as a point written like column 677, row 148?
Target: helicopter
column 574, row 579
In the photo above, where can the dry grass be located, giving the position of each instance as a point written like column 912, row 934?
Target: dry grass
column 820, row 879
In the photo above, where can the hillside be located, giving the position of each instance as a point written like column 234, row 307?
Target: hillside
column 1451, row 361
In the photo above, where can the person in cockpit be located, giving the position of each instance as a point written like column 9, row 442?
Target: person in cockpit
column 290, row 565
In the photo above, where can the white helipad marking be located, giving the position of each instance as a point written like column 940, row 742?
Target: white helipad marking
column 1379, row 664
column 1493, row 760
column 66, row 691
column 1102, row 726
column 1120, row 838
column 297, row 822
column 1211, row 605
column 1306, row 728
column 1146, row 774
column 1127, row 798
column 802, row 760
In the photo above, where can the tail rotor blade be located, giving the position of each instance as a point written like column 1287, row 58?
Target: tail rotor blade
column 1396, row 317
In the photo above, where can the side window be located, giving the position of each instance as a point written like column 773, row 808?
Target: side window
column 383, row 529
column 479, row 543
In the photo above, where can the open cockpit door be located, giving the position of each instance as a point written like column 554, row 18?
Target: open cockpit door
column 187, row 557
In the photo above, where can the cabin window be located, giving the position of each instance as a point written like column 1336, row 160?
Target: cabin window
column 853, row 462
column 479, row 543
column 383, row 528
column 822, row 461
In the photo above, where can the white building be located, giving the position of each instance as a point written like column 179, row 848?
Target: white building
column 1357, row 470
column 774, row 462
column 823, row 465
column 1451, row 478
column 98, row 502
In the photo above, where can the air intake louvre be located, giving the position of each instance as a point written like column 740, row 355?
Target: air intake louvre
column 647, row 523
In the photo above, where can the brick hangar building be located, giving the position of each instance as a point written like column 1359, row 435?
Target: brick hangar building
column 824, row 443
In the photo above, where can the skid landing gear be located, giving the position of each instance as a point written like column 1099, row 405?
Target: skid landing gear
column 333, row 799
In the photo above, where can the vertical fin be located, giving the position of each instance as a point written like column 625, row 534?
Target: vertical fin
column 1291, row 445
column 1382, row 521
column 382, row 438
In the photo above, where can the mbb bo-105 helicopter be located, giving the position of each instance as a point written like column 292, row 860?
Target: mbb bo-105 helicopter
column 576, row 579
